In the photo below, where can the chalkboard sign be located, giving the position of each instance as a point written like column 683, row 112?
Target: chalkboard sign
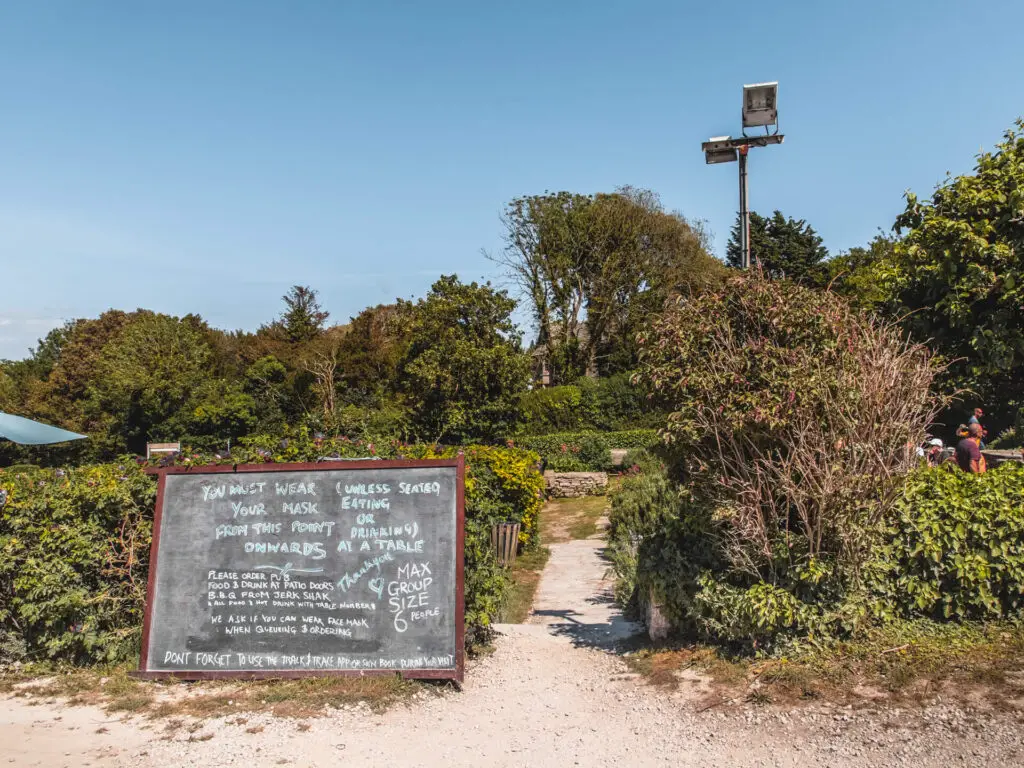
column 285, row 570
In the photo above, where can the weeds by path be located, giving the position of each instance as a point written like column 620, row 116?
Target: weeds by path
column 525, row 576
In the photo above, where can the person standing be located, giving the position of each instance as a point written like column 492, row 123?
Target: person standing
column 976, row 418
column 968, row 450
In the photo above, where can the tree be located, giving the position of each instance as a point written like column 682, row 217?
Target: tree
column 62, row 394
column 957, row 276
column 858, row 274
column 153, row 379
column 464, row 369
column 784, row 247
column 374, row 347
column 265, row 380
column 8, row 391
column 303, row 319
column 592, row 267
column 217, row 412
column 323, row 362
column 47, row 352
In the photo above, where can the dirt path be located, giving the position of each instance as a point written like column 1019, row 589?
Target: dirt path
column 575, row 597
column 551, row 695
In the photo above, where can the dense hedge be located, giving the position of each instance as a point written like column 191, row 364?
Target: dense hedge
column 584, row 451
column 952, row 548
column 74, row 554
column 603, row 404
column 74, row 544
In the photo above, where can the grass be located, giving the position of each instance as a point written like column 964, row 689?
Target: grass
column 906, row 662
column 525, row 576
column 114, row 690
column 569, row 519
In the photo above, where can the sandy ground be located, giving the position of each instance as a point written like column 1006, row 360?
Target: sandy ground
column 553, row 694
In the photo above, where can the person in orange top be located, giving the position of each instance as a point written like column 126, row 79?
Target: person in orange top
column 968, row 450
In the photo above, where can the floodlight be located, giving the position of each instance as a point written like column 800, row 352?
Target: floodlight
column 717, row 142
column 760, row 104
column 723, row 155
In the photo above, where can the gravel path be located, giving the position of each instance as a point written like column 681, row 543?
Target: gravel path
column 551, row 695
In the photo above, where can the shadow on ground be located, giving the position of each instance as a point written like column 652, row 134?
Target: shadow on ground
column 619, row 635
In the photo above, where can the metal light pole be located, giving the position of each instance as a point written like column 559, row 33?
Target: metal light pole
column 759, row 109
column 744, row 211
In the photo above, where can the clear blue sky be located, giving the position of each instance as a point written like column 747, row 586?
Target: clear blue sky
column 204, row 156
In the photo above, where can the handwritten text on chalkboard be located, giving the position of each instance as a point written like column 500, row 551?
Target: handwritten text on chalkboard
column 330, row 569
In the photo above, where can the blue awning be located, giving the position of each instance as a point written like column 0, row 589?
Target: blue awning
column 27, row 432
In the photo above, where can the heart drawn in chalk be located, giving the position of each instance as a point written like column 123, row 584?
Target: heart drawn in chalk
column 377, row 585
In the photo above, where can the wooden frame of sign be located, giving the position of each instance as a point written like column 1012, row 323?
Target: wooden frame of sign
column 284, row 664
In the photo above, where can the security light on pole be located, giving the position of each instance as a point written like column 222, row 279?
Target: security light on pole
column 719, row 149
column 760, row 108
column 760, row 105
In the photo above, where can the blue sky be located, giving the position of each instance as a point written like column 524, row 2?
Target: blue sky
column 204, row 156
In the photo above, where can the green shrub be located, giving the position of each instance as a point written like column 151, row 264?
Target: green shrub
column 643, row 508
column 607, row 404
column 670, row 546
column 791, row 416
column 1007, row 439
column 15, row 468
column 954, row 546
column 615, row 403
column 753, row 615
column 74, row 553
column 584, row 451
column 74, row 544
column 551, row 409
column 567, row 460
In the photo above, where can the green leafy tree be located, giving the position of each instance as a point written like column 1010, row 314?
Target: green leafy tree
column 217, row 412
column 303, row 318
column 146, row 375
column 859, row 274
column 266, row 382
column 593, row 267
column 465, row 367
column 61, row 395
column 8, row 391
column 47, row 352
column 958, row 275
column 373, row 348
column 784, row 248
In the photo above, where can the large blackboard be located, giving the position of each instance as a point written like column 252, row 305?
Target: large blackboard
column 282, row 570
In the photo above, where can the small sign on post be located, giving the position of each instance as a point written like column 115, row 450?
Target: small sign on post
column 160, row 449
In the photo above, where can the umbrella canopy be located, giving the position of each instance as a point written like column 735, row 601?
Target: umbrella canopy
column 27, row 432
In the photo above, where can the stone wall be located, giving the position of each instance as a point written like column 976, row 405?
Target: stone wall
column 562, row 484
